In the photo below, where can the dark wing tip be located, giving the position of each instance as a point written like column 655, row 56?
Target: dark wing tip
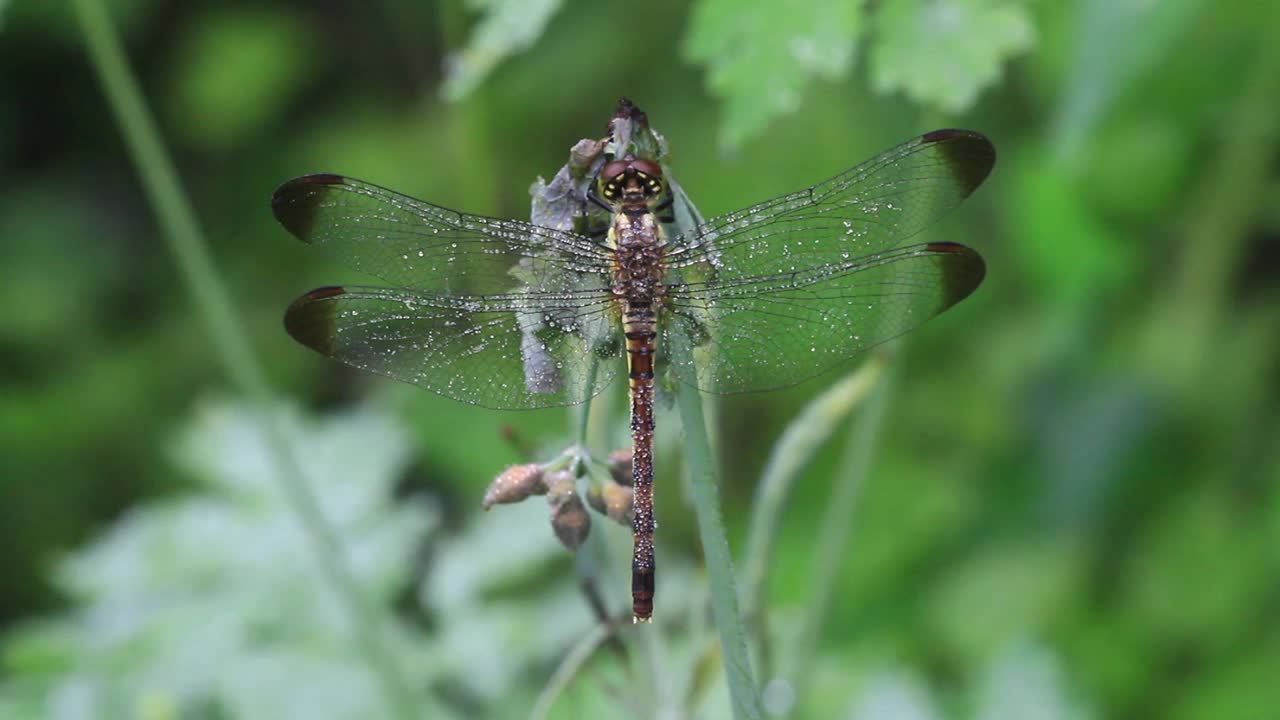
column 963, row 271
column 968, row 154
column 296, row 201
column 310, row 319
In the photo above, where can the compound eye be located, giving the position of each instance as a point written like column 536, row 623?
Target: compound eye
column 612, row 172
column 648, row 167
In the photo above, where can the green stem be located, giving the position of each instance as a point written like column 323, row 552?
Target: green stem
column 743, row 695
column 582, row 412
column 568, row 668
column 230, row 342
column 802, row 438
column 657, row 661
column 837, row 524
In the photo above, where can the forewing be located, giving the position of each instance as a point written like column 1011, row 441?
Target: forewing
column 513, row 351
column 867, row 209
column 781, row 330
column 414, row 244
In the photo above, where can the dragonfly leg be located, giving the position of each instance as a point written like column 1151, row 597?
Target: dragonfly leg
column 665, row 210
column 593, row 197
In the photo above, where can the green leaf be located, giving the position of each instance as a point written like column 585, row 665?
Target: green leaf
column 760, row 54
column 942, row 53
column 508, row 27
column 210, row 599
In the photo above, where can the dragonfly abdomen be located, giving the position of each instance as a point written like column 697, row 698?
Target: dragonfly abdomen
column 639, row 328
column 639, row 323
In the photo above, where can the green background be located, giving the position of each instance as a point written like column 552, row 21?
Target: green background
column 1072, row 508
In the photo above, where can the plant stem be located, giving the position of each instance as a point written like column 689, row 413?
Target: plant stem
column 743, row 694
column 582, row 412
column 802, row 438
column 832, row 549
column 568, row 668
column 230, row 342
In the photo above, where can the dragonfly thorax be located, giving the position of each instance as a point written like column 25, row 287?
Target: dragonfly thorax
column 637, row 241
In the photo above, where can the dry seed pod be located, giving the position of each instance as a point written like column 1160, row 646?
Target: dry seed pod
column 595, row 499
column 613, row 500
column 560, row 484
column 620, row 465
column 569, row 517
column 619, row 503
column 515, row 484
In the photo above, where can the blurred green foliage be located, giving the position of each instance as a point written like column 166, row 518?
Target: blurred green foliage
column 976, row 36
column 760, row 55
column 1073, row 505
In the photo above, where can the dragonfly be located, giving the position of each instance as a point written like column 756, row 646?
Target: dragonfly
column 508, row 314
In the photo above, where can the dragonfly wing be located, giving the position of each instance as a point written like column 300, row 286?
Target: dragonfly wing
column 513, row 351
column 414, row 244
column 869, row 208
column 780, row 291
column 780, row 330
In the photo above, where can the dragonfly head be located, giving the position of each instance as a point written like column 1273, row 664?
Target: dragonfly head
column 631, row 182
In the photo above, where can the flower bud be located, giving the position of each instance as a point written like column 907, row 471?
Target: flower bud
column 613, row 500
column 620, row 465
column 514, row 484
column 569, row 517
